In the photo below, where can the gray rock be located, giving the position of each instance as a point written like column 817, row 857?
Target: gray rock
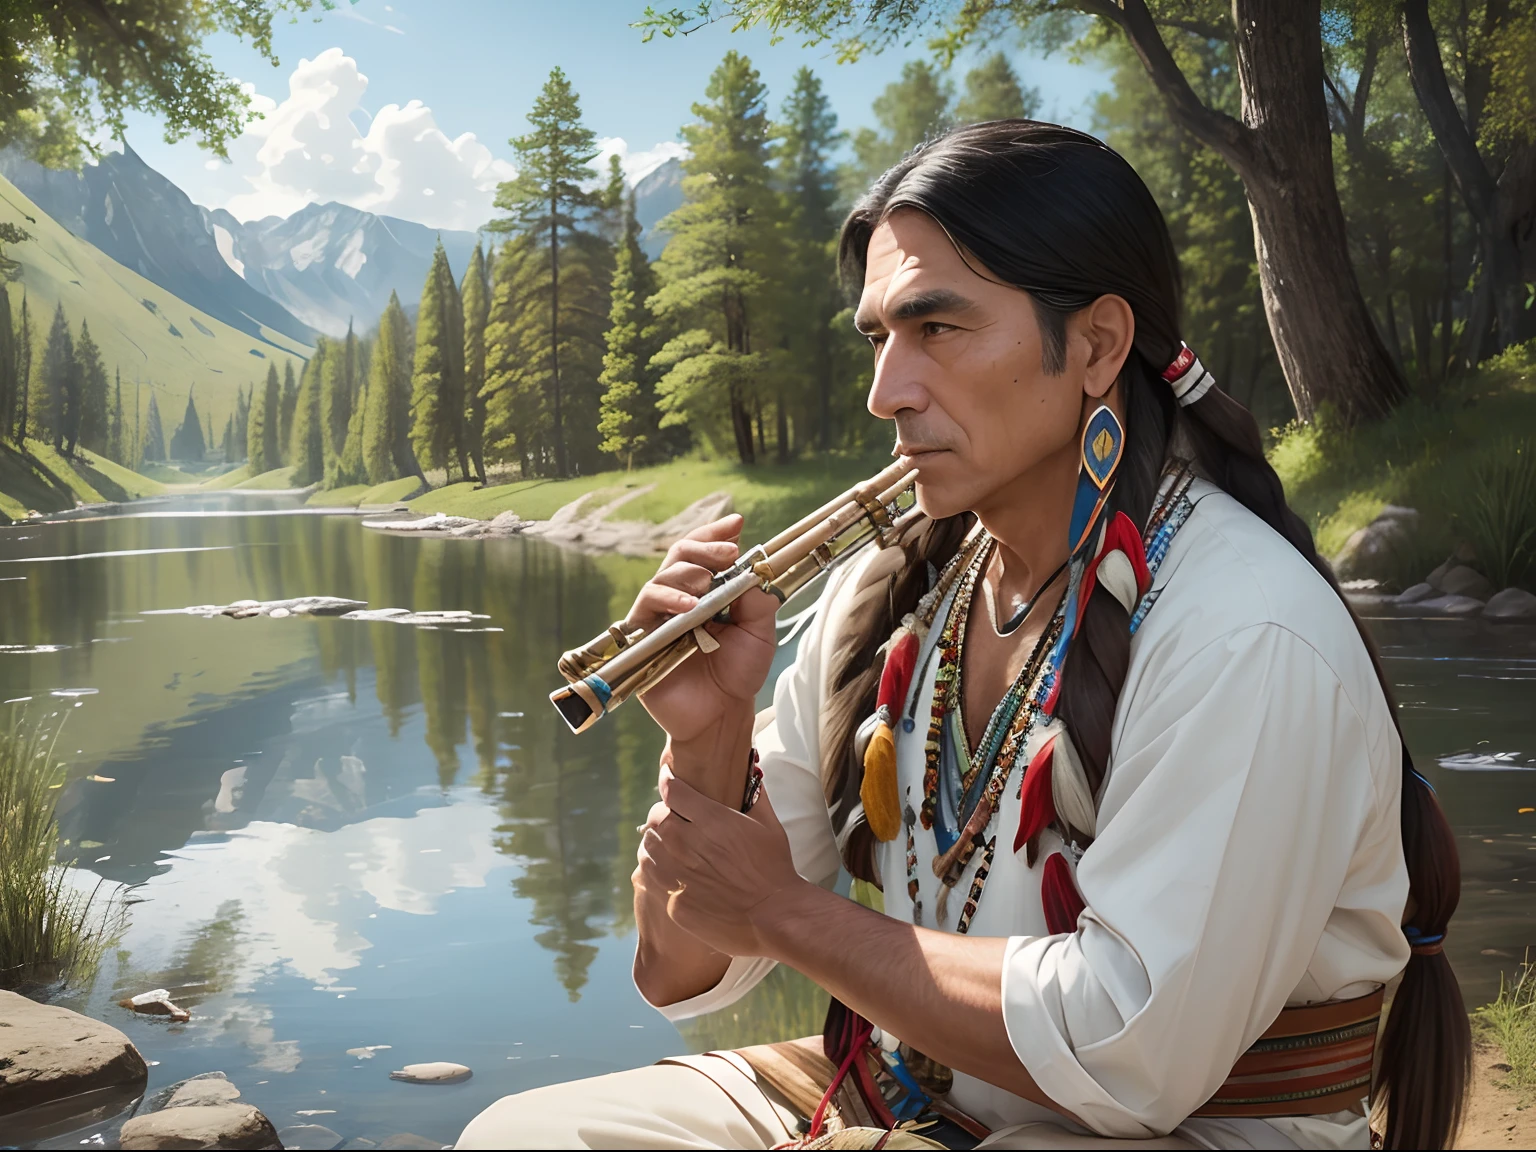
column 1416, row 592
column 508, row 521
column 230, row 1125
column 1449, row 606
column 310, row 1136
column 48, row 1053
column 1511, row 604
column 1464, row 581
column 1370, row 552
column 204, row 1088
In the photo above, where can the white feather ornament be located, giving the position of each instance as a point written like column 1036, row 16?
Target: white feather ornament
column 1119, row 578
column 1069, row 787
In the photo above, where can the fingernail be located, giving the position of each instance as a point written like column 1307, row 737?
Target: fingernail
column 640, row 828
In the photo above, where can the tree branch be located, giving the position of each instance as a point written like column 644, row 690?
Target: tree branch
column 1228, row 136
column 1198, row 28
column 1427, row 71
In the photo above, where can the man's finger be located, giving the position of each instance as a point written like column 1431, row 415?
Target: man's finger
column 711, row 554
column 725, row 528
column 687, row 801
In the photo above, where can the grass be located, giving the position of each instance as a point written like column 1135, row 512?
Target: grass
column 274, row 480
column 230, row 479
column 1425, row 455
column 62, row 471
column 167, row 473
column 50, row 930
column 114, row 481
column 138, row 325
column 348, row 497
column 768, row 495
column 1510, row 1022
column 356, row 495
column 1500, row 516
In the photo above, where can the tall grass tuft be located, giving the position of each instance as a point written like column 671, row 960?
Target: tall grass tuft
column 1500, row 514
column 50, row 930
column 1510, row 1022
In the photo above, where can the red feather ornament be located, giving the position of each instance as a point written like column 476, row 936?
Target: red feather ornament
column 1037, row 806
column 1058, row 893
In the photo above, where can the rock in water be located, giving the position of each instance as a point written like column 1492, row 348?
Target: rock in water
column 1512, row 604
column 1416, row 592
column 309, row 1136
column 1372, row 550
column 1465, row 581
column 1449, row 606
column 201, row 1126
column 48, row 1053
column 436, row 1072
column 155, row 1003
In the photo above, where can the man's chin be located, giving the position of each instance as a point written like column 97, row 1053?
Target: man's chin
column 940, row 496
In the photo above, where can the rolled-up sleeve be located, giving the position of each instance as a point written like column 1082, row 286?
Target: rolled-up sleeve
column 1241, row 785
column 788, row 746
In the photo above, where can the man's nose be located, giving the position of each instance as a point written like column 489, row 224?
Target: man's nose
column 899, row 381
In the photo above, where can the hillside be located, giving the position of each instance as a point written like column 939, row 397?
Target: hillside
column 141, row 328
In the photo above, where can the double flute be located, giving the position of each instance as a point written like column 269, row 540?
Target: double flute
column 622, row 662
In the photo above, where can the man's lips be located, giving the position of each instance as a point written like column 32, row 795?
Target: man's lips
column 915, row 450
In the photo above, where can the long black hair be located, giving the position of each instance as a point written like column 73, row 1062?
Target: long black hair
column 1063, row 217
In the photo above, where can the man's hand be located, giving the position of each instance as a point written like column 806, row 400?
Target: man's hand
column 725, row 873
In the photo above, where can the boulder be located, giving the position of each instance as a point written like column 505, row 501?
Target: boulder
column 48, row 1053
column 1511, row 604
column 1371, row 551
column 208, row 1088
column 310, row 1136
column 1464, row 581
column 230, row 1125
column 1416, row 592
column 1449, row 606
column 433, row 1072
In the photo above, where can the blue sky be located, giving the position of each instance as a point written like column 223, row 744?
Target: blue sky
column 405, row 107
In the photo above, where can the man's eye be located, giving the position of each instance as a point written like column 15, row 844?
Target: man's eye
column 876, row 342
column 936, row 328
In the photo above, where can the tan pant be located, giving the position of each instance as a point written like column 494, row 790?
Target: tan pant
column 712, row 1101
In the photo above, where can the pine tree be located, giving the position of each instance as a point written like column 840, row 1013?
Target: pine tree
column 438, row 433
column 909, row 111
column 8, row 377
column 50, row 381
column 187, row 441
column 90, row 428
column 993, row 92
column 350, row 467
column 337, row 388
column 475, row 297
column 386, row 428
column 24, row 338
column 229, row 438
column 807, row 179
column 288, row 404
column 261, row 434
column 629, row 417
column 546, row 201
column 713, row 291
column 242, row 418
column 116, row 449
column 305, row 450
column 154, row 432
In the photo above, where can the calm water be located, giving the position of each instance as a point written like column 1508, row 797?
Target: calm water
column 348, row 835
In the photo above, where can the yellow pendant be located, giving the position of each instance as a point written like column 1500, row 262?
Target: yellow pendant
column 878, row 791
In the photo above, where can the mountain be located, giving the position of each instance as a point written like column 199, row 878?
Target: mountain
column 657, row 195
column 329, row 264
column 140, row 219
column 160, row 342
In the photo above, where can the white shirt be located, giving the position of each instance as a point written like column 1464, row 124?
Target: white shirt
column 1248, row 855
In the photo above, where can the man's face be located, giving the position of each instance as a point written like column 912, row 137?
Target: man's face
column 958, row 368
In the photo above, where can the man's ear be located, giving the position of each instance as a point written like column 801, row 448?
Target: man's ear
column 1108, row 328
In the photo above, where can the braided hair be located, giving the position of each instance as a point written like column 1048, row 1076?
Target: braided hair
column 1061, row 216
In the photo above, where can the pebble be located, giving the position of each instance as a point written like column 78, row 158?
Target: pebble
column 434, row 1072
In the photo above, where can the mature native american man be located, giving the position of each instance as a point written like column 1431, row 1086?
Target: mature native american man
column 1106, row 736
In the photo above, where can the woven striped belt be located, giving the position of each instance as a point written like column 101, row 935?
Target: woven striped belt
column 1311, row 1061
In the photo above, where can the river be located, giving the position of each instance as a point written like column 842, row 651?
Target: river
column 356, row 846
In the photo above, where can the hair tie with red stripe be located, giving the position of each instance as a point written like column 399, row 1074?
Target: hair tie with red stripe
column 1187, row 377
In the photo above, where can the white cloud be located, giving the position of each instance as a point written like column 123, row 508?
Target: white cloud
column 637, row 165
column 309, row 148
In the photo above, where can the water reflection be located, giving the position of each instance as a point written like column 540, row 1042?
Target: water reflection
column 359, row 833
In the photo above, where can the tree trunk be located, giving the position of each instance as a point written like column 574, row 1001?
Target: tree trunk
column 741, row 427
column 1325, row 339
column 554, row 333
column 781, row 429
column 1503, row 298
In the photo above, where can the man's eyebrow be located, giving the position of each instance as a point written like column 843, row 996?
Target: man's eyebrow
column 916, row 305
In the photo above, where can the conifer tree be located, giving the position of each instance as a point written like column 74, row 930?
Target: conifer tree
column 154, row 433
column 24, row 338
column 910, row 110
column 993, row 92
column 115, row 445
column 288, row 404
column 475, row 299
column 8, row 377
column 50, row 381
column 261, row 433
column 629, row 417
column 187, row 441
column 242, row 418
column 438, row 432
column 350, row 467
column 712, row 288
column 546, row 202
column 807, row 178
column 228, row 443
column 337, row 394
column 90, row 428
column 305, row 450
column 386, row 428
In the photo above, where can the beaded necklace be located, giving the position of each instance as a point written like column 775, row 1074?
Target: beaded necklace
column 1005, row 736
